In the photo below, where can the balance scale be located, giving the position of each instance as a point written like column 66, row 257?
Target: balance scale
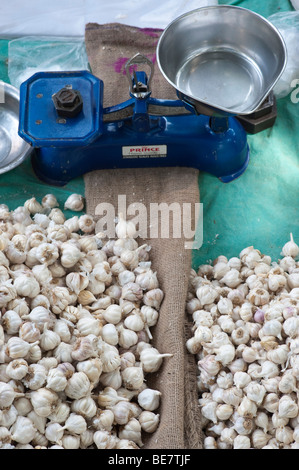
column 218, row 80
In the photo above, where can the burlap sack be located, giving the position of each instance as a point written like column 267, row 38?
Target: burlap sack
column 109, row 47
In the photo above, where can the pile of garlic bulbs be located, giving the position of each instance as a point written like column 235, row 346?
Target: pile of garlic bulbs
column 245, row 339
column 75, row 341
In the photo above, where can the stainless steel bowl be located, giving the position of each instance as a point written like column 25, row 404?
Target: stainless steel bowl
column 222, row 59
column 13, row 149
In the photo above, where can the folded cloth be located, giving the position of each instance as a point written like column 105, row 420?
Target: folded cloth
column 108, row 48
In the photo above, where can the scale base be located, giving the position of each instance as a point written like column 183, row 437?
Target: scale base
column 177, row 141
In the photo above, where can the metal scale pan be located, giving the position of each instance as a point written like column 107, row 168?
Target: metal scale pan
column 13, row 149
column 224, row 60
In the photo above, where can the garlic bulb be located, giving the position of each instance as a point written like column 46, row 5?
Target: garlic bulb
column 246, row 345
column 17, row 369
column 42, row 274
column 60, row 412
column 75, row 424
column 75, row 315
column 122, row 412
column 74, row 202
column 151, row 359
column 78, row 385
column 7, row 395
column 39, row 316
column 70, row 441
column 109, row 334
column 49, row 201
column 206, row 294
column 149, row 399
column 86, row 223
column 8, row 416
column 126, row 337
column 42, row 220
column 49, row 339
column 132, row 431
column 17, row 348
column 124, row 228
column 11, row 322
column 242, row 442
column 85, row 407
column 70, row 255
column 76, row 282
column 231, row 278
column 290, row 248
column 56, row 380
column 35, row 377
column 23, row 430
column 149, row 421
column 54, row 432
column 43, row 401
column 110, row 358
column 104, row 440
column 56, row 216
column 72, row 224
column 46, row 253
column 133, row 377
column 93, row 368
column 33, row 206
column 86, row 439
column 287, row 408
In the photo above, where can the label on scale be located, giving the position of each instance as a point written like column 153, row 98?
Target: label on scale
column 144, row 151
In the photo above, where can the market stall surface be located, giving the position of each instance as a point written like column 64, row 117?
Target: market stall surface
column 260, row 208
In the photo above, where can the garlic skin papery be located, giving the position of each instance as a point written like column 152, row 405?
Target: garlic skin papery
column 245, row 337
column 76, row 312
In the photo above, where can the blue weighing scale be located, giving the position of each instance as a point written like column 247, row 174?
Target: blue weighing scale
column 63, row 118
column 62, row 114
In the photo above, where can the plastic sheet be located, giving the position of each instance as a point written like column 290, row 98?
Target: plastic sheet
column 68, row 17
column 142, row 14
column 28, row 55
column 288, row 25
column 295, row 4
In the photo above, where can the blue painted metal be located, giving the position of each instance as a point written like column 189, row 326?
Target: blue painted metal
column 87, row 142
column 39, row 123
